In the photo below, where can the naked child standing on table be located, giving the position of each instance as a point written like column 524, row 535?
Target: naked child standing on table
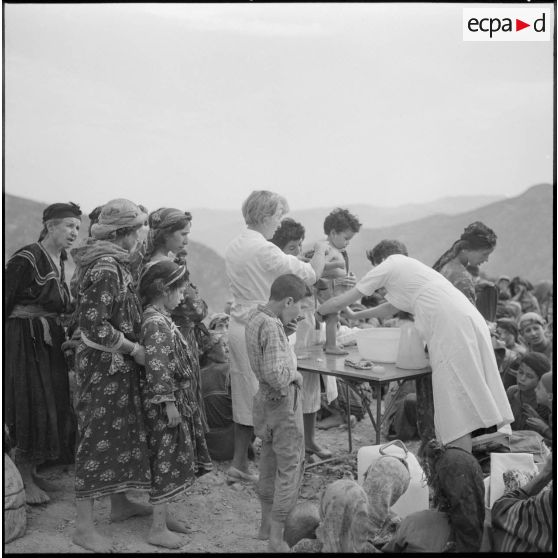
column 277, row 409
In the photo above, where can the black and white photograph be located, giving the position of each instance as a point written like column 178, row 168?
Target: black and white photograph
column 279, row 277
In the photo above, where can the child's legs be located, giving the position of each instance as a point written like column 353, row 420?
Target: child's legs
column 288, row 447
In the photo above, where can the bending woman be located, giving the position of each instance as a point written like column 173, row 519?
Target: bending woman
column 37, row 409
column 467, row 390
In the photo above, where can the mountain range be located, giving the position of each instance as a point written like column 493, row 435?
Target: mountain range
column 524, row 226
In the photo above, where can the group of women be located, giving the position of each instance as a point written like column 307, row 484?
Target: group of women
column 113, row 452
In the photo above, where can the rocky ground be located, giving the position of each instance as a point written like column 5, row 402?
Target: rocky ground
column 222, row 517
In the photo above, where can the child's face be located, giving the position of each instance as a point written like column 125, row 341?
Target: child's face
column 340, row 239
column 533, row 334
column 178, row 239
column 290, row 310
column 506, row 336
column 527, row 378
column 543, row 397
column 174, row 297
column 293, row 247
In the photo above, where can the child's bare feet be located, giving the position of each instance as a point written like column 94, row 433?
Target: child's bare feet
column 164, row 537
column 92, row 540
column 177, row 527
column 335, row 350
column 122, row 508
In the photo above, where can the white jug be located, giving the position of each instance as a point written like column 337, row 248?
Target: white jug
column 415, row 498
column 410, row 354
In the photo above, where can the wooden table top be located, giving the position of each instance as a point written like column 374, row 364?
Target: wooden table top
column 333, row 365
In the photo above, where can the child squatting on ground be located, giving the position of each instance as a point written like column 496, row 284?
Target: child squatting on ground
column 277, row 409
column 339, row 226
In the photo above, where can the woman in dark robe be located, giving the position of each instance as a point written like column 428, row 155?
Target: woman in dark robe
column 37, row 408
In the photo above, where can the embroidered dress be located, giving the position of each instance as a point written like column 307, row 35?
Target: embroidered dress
column 175, row 454
column 37, row 408
column 112, row 453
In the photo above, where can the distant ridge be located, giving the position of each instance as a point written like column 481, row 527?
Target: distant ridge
column 523, row 224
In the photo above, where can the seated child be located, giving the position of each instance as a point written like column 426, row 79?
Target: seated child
column 277, row 410
column 544, row 395
column 533, row 366
column 339, row 226
column 533, row 332
column 177, row 447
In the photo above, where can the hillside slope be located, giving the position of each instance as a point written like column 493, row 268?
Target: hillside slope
column 524, row 226
column 22, row 225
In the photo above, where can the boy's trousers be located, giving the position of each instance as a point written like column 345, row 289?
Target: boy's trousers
column 278, row 423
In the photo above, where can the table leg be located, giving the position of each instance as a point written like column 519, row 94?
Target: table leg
column 348, row 397
column 378, row 413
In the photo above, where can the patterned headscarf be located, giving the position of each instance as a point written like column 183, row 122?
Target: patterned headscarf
column 160, row 221
column 117, row 214
column 345, row 526
column 476, row 236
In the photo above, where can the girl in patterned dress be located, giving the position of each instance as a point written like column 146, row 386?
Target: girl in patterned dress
column 177, row 446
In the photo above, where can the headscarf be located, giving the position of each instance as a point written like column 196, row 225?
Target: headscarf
column 344, row 525
column 160, row 221
column 386, row 481
column 530, row 318
column 476, row 236
column 537, row 362
column 117, row 214
column 61, row 211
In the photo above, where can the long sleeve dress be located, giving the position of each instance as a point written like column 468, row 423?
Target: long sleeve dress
column 37, row 410
column 467, row 389
column 112, row 453
column 175, row 454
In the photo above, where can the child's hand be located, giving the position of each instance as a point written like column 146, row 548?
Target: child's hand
column 139, row 357
column 529, row 412
column 290, row 327
column 172, row 414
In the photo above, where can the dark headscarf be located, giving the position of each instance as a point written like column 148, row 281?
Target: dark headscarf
column 61, row 211
column 476, row 236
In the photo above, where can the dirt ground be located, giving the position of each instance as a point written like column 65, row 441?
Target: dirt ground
column 223, row 517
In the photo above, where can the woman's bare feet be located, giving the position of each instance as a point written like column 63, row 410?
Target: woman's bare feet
column 164, row 537
column 44, row 484
column 34, row 495
column 121, row 508
column 91, row 539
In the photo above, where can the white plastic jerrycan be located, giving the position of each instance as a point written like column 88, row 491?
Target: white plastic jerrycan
column 410, row 354
column 415, row 498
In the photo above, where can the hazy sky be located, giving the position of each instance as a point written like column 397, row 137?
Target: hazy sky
column 195, row 105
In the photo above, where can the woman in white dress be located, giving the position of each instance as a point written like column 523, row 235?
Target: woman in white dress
column 252, row 264
column 467, row 389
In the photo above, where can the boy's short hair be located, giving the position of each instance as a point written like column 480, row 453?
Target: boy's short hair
column 340, row 220
column 289, row 285
column 538, row 362
column 288, row 230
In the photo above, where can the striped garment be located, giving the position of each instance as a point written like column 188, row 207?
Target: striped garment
column 524, row 523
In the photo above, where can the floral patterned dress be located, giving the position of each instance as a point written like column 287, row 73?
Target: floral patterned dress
column 176, row 454
column 112, row 454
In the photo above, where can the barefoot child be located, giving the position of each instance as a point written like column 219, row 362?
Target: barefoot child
column 177, row 447
column 277, row 409
column 339, row 226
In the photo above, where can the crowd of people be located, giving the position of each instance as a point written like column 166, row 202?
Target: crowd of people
column 162, row 389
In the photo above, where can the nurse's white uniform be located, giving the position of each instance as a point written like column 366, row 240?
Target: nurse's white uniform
column 468, row 392
column 252, row 264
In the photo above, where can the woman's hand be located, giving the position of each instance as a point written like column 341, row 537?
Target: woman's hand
column 172, row 414
column 139, row 355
